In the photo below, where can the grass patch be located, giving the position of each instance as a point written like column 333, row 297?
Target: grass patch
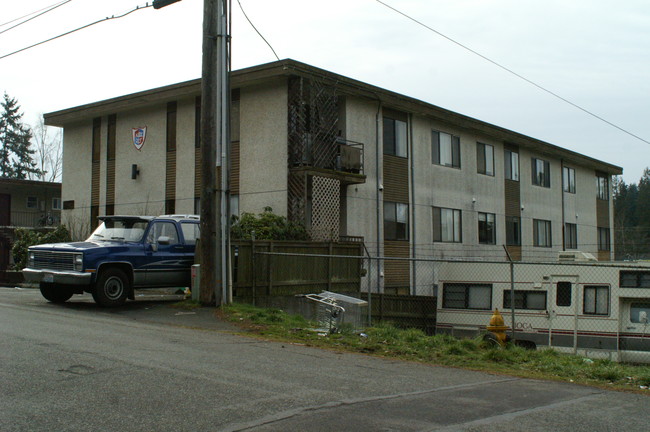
column 412, row 344
column 187, row 304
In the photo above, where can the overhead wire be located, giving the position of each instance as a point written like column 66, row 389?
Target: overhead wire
column 420, row 23
column 255, row 28
column 137, row 8
column 29, row 14
column 43, row 12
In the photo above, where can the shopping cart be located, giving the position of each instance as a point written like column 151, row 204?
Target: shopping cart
column 332, row 310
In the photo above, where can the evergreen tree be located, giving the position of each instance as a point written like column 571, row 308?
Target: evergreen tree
column 15, row 141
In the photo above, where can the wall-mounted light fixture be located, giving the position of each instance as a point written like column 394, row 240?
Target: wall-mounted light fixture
column 135, row 172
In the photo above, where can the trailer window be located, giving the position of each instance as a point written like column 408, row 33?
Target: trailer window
column 596, row 300
column 535, row 300
column 634, row 279
column 563, row 294
column 637, row 311
column 467, row 296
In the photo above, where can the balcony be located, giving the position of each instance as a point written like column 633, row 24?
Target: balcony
column 334, row 158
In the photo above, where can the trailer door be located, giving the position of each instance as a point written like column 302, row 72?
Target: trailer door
column 634, row 337
column 562, row 311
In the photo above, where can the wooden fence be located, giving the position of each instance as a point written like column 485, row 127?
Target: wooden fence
column 257, row 274
column 264, row 276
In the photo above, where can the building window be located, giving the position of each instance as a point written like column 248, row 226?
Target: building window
column 56, row 203
column 570, row 236
column 634, row 279
column 563, row 293
column 596, row 300
column 602, row 184
column 445, row 149
column 484, row 159
column 541, row 170
column 511, row 164
column 487, row 228
column 534, row 300
column 32, row 202
column 542, row 233
column 603, row 239
column 447, row 225
column 569, row 180
column 396, row 221
column 467, row 296
column 394, row 137
column 513, row 231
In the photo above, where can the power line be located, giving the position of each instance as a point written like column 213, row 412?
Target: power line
column 34, row 17
column 29, row 14
column 512, row 72
column 77, row 29
column 258, row 32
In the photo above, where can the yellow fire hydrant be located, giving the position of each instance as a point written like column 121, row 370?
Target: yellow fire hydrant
column 497, row 327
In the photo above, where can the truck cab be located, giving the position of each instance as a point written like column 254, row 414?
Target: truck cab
column 124, row 253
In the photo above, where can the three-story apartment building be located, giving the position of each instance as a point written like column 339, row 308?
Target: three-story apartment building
column 347, row 159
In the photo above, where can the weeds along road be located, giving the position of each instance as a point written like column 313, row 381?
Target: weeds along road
column 150, row 367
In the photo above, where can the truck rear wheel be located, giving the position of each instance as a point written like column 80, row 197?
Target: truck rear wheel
column 112, row 288
column 55, row 293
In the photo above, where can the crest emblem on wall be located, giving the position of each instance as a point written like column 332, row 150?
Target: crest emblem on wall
column 139, row 135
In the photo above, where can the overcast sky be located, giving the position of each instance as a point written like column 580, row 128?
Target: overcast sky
column 594, row 53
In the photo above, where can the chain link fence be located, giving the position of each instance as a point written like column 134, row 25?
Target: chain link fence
column 595, row 309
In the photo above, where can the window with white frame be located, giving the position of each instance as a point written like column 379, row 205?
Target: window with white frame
column 603, row 239
column 602, row 185
column 394, row 137
column 445, row 149
column 447, row 225
column 32, row 202
column 596, row 300
column 542, row 233
column 485, row 159
column 513, row 231
column 511, row 165
column 569, row 180
column 570, row 236
column 56, row 203
column 487, row 228
column 467, row 296
column 396, row 221
column 541, row 171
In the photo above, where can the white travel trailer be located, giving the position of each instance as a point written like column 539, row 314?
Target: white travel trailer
column 598, row 310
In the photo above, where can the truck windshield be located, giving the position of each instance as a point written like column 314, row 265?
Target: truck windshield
column 119, row 230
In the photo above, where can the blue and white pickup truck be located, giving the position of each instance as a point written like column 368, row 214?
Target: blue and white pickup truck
column 122, row 254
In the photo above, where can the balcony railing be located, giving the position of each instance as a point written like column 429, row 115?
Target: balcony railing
column 335, row 154
column 26, row 219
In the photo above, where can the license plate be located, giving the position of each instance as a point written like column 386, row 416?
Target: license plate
column 48, row 277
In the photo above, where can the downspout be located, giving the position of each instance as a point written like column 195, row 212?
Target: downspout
column 380, row 241
column 410, row 154
column 562, row 201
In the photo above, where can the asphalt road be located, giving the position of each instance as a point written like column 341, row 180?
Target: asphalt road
column 150, row 367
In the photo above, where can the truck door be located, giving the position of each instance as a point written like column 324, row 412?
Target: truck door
column 165, row 256
column 634, row 337
column 562, row 311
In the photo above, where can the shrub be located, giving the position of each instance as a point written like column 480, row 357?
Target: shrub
column 266, row 226
column 30, row 237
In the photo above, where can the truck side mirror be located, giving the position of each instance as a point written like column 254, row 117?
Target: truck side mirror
column 164, row 240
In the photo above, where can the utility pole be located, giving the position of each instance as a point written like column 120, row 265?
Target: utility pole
column 215, row 100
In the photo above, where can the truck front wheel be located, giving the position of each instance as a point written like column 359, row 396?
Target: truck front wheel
column 55, row 293
column 112, row 288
